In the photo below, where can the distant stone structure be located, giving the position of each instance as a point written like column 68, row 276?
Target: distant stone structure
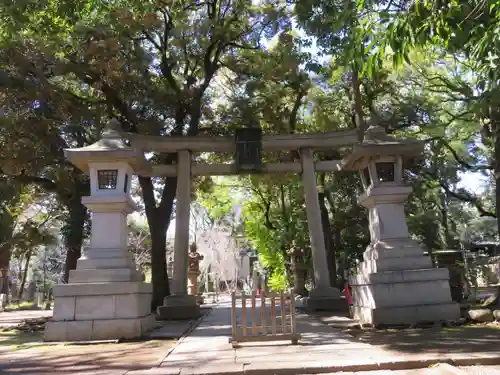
column 299, row 269
column 193, row 270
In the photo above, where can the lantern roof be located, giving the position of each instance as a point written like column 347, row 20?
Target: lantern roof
column 110, row 148
column 378, row 144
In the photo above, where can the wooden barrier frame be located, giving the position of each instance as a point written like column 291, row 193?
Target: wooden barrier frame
column 282, row 327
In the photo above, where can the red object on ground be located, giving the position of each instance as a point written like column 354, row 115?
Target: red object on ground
column 347, row 294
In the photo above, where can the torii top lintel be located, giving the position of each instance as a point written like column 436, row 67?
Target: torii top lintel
column 200, row 143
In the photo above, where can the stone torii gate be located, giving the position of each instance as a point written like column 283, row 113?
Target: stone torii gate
column 107, row 299
column 323, row 296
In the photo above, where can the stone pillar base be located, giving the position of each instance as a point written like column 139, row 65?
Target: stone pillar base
column 403, row 297
column 100, row 311
column 326, row 299
column 179, row 308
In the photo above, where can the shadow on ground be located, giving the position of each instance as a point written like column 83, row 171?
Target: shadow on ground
column 459, row 340
column 464, row 339
column 13, row 339
column 112, row 359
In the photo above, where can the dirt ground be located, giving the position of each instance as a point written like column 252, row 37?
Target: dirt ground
column 21, row 353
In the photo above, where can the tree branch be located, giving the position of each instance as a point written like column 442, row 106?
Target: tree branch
column 464, row 196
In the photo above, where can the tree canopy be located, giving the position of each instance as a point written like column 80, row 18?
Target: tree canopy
column 423, row 69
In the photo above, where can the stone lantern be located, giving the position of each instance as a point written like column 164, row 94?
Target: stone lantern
column 170, row 269
column 396, row 283
column 105, row 297
column 299, row 269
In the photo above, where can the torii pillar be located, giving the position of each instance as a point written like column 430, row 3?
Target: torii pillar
column 181, row 305
column 323, row 296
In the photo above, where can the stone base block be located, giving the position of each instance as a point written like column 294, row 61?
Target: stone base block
column 111, row 263
column 403, row 297
column 101, row 289
column 393, row 248
column 107, row 329
column 83, row 302
column 179, row 308
column 326, row 299
column 326, row 304
column 407, row 314
column 100, row 311
column 396, row 264
column 401, row 288
column 86, row 276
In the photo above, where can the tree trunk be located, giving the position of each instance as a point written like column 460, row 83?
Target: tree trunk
column 335, row 235
column 327, row 233
column 358, row 106
column 158, row 221
column 24, row 275
column 337, row 240
column 74, row 234
column 495, row 126
column 5, row 253
column 447, row 242
column 159, row 277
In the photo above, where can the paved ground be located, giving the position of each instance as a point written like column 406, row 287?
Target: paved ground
column 207, row 347
column 322, row 349
column 438, row 370
column 475, row 341
column 426, row 371
column 481, row 370
column 207, row 350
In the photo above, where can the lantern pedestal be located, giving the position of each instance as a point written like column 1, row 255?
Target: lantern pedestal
column 193, row 283
column 100, row 311
column 105, row 297
column 403, row 297
column 396, row 283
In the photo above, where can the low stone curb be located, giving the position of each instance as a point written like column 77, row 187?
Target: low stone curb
column 186, row 333
column 190, row 325
column 68, row 343
column 195, row 324
column 271, row 368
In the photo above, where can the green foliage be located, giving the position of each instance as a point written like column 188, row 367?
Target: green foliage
column 218, row 201
column 150, row 64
